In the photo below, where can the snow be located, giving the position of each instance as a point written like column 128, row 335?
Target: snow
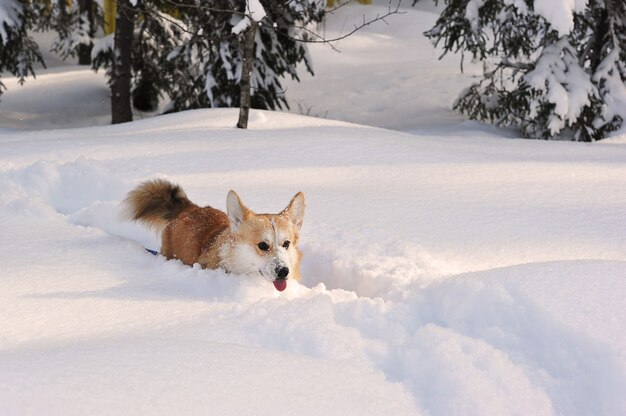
column 447, row 269
column 241, row 26
column 615, row 95
column 393, row 67
column 102, row 45
column 565, row 84
column 560, row 13
column 471, row 13
column 254, row 11
column 9, row 17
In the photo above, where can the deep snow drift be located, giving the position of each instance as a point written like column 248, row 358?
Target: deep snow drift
column 445, row 273
column 472, row 276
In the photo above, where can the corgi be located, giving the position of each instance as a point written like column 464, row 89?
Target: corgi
column 238, row 241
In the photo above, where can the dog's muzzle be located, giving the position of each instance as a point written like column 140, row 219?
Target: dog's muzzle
column 280, row 283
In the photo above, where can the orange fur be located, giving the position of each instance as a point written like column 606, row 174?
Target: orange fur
column 194, row 232
column 211, row 237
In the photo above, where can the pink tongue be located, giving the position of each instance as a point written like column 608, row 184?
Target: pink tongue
column 280, row 284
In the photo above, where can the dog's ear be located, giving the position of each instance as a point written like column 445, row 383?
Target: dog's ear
column 236, row 210
column 295, row 210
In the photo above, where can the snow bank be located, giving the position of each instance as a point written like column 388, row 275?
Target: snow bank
column 441, row 275
column 37, row 103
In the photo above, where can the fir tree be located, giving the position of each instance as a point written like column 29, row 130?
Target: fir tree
column 18, row 51
column 211, row 58
column 554, row 69
column 187, row 51
column 158, row 33
column 73, row 24
column 88, row 11
column 154, row 35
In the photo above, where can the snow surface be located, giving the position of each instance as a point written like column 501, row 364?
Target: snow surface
column 449, row 271
column 388, row 66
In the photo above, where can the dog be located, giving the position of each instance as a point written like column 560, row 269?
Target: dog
column 238, row 241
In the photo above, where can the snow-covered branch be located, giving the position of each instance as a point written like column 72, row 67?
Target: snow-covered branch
column 254, row 13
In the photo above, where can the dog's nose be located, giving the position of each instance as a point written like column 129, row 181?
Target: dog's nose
column 282, row 272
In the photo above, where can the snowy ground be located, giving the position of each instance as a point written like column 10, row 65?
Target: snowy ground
column 448, row 271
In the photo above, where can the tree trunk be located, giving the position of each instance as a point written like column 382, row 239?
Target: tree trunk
column 599, row 36
column 84, row 51
column 121, row 110
column 246, row 72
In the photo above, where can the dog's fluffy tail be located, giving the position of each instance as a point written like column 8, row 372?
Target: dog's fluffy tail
column 155, row 203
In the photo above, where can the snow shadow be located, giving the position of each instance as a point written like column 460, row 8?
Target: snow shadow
column 511, row 341
column 381, row 270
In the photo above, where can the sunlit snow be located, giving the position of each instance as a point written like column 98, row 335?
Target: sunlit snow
column 449, row 267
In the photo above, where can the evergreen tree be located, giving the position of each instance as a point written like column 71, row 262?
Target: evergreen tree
column 87, row 9
column 554, row 69
column 18, row 51
column 155, row 34
column 188, row 52
column 73, row 24
column 158, row 33
column 211, row 59
column 192, row 52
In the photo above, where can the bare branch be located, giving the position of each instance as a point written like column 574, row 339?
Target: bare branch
column 203, row 7
column 320, row 39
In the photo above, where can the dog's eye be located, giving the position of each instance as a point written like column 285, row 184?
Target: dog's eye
column 286, row 244
column 263, row 246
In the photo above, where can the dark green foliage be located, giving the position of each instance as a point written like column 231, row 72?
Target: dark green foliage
column 18, row 51
column 182, row 50
column 210, row 58
column 548, row 84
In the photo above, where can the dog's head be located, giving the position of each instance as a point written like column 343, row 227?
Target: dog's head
column 264, row 244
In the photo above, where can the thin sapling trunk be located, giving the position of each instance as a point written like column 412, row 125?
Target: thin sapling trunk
column 246, row 73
